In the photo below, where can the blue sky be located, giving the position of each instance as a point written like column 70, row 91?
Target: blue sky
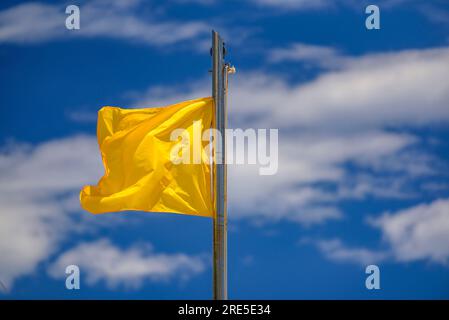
column 363, row 147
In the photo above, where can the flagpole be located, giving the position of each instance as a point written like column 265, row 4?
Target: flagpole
column 220, row 286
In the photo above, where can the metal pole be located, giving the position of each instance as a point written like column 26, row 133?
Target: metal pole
column 220, row 286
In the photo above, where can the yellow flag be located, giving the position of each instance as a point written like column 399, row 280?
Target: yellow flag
column 140, row 174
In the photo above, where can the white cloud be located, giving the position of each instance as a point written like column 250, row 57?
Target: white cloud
column 200, row 2
column 374, row 91
column 294, row 4
column 325, row 4
column 36, row 184
column 371, row 91
column 51, row 167
column 417, row 233
column 303, row 162
column 30, row 22
column 39, row 189
column 314, row 54
column 29, row 232
column 102, row 261
column 335, row 250
column 36, row 22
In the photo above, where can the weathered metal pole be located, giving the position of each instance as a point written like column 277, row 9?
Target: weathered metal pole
column 220, row 277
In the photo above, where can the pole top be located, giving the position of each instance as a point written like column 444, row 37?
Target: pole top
column 216, row 34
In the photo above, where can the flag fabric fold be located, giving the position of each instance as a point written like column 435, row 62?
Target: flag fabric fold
column 136, row 149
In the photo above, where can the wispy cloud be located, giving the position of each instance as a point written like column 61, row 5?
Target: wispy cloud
column 336, row 251
column 294, row 4
column 302, row 5
column 435, row 13
column 82, row 116
column 101, row 261
column 38, row 22
column 323, row 56
column 199, row 2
